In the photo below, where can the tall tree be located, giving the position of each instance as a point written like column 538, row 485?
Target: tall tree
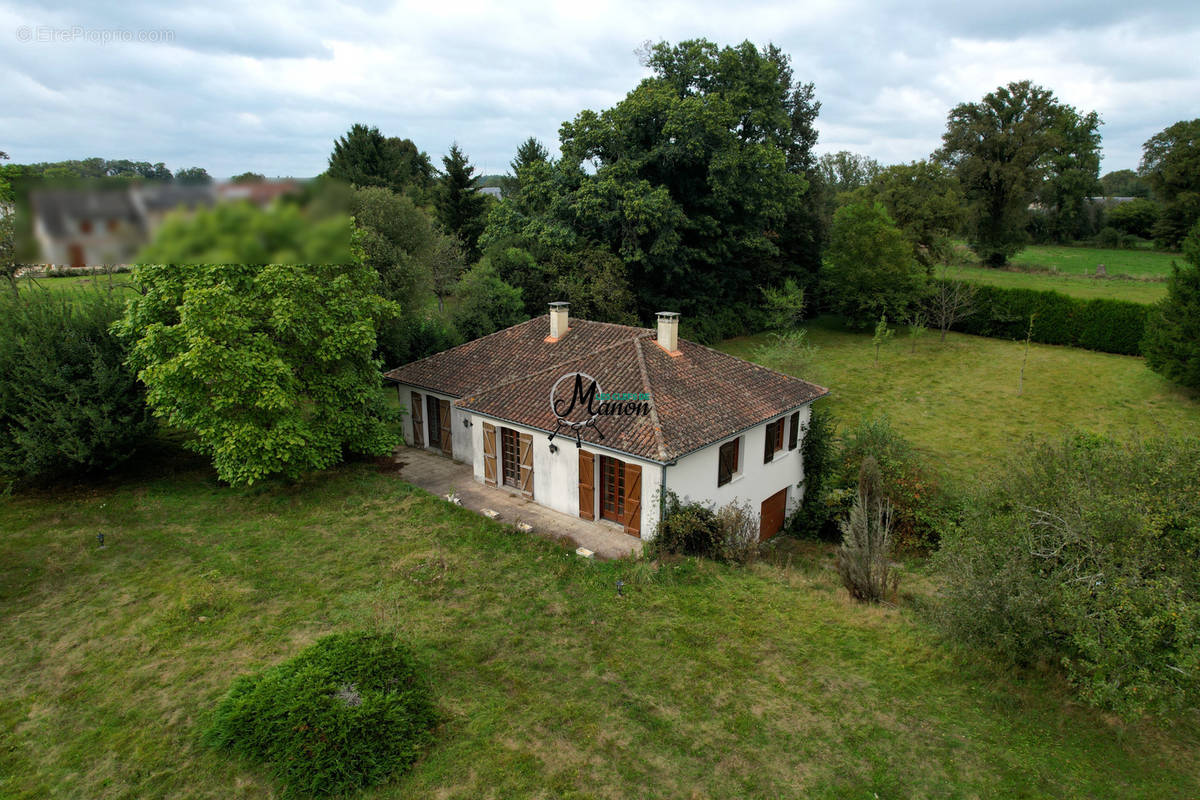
column 869, row 268
column 1002, row 149
column 365, row 157
column 249, row 177
column 926, row 203
column 397, row 239
column 529, row 153
column 1072, row 170
column 461, row 207
column 1171, row 165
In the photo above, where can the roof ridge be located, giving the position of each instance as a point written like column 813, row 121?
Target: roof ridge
column 554, row 366
column 755, row 364
column 655, row 423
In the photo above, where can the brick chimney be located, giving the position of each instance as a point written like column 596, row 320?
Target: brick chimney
column 559, row 320
column 668, row 331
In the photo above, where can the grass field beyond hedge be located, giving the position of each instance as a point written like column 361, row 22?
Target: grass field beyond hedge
column 958, row 402
column 700, row 682
column 1083, row 260
column 1084, row 287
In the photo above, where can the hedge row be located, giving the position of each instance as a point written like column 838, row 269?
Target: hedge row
column 1110, row 326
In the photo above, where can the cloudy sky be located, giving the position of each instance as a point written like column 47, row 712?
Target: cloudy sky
column 268, row 86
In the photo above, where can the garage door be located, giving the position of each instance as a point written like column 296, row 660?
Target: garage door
column 771, row 519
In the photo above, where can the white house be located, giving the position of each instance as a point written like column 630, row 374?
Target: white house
column 666, row 415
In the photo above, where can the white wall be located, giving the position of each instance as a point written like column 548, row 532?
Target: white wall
column 556, row 475
column 460, row 435
column 694, row 477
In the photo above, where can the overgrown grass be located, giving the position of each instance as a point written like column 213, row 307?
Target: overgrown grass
column 1085, row 287
column 1083, row 260
column 701, row 681
column 118, row 282
column 958, row 402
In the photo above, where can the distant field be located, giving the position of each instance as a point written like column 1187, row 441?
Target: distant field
column 958, row 402
column 1139, row 263
column 1075, row 285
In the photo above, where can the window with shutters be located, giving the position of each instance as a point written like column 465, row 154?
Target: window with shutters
column 510, row 457
column 774, row 440
column 794, row 431
column 727, row 462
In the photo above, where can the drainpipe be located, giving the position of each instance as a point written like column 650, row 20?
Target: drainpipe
column 662, row 494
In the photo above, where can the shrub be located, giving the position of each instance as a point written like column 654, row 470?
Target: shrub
column 69, row 405
column 409, row 337
column 1086, row 555
column 869, row 269
column 711, row 326
column 1110, row 326
column 351, row 711
column 1172, row 341
column 818, row 450
column 919, row 507
column 729, row 534
column 864, row 559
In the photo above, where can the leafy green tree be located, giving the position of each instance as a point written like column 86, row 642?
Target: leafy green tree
column 397, row 239
column 1003, row 149
column 8, row 267
column 1171, row 165
column 69, row 403
column 1123, row 183
column 839, row 174
column 413, row 170
column 1071, row 169
column 461, row 207
column 249, row 177
column 925, row 201
column 595, row 283
column 231, row 233
column 784, row 305
column 270, row 369
column 193, row 176
column 446, row 264
column 486, row 304
column 1135, row 218
column 1172, row 339
column 869, row 266
column 517, row 267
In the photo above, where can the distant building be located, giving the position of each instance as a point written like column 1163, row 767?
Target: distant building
column 94, row 227
column 491, row 191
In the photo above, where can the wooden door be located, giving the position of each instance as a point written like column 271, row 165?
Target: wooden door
column 435, row 430
column 525, row 445
column 587, row 485
column 510, row 458
column 632, row 519
column 612, row 489
column 418, row 421
column 489, row 454
column 444, row 424
column 771, row 518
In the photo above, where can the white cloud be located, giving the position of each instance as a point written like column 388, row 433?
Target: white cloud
column 269, row 86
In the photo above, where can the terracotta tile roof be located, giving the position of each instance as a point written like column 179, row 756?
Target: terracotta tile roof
column 697, row 397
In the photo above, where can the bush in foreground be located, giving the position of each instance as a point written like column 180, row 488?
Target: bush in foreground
column 1086, row 555
column 728, row 534
column 864, row 560
column 69, row 405
column 351, row 711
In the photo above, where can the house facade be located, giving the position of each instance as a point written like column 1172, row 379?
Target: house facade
column 600, row 421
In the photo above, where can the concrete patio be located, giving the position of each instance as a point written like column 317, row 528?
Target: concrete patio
column 439, row 475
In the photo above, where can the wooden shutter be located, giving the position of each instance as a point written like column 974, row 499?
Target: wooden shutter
column 633, row 499
column 418, row 420
column 444, row 425
column 587, row 485
column 527, row 465
column 794, row 433
column 489, row 454
column 769, row 444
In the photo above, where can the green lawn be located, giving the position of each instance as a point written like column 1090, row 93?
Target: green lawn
column 958, row 402
column 1082, row 286
column 1083, row 260
column 701, row 682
